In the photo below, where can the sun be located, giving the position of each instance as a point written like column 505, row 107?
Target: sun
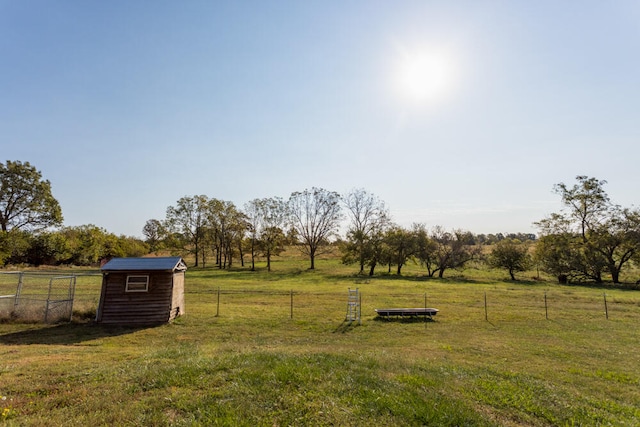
column 423, row 76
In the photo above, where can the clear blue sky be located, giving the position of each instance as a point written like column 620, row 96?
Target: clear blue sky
column 127, row 106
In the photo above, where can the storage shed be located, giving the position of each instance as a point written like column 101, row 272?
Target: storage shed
column 141, row 291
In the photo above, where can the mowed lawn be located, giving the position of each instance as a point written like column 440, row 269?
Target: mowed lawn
column 273, row 349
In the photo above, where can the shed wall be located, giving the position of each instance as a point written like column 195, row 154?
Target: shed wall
column 177, row 304
column 120, row 307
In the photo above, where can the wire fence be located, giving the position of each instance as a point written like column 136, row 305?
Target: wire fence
column 50, row 297
column 497, row 305
column 37, row 297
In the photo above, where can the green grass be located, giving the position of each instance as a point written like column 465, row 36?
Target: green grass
column 256, row 364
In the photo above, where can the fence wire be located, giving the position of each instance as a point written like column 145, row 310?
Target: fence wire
column 37, row 297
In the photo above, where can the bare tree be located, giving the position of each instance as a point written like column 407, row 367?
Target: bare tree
column 369, row 218
column 451, row 250
column 253, row 214
column 267, row 218
column 315, row 216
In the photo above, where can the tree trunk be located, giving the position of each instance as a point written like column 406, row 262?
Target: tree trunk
column 268, row 260
column 253, row 255
column 312, row 258
column 513, row 277
column 373, row 267
column 615, row 275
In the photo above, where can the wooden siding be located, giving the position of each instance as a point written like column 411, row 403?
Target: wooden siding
column 177, row 303
column 120, row 307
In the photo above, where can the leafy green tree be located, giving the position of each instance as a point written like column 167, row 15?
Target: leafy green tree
column 510, row 255
column 315, row 216
column 426, row 248
column 556, row 255
column 601, row 236
column 87, row 245
column 189, row 219
column 401, row 246
column 155, row 233
column 228, row 226
column 26, row 201
column 616, row 239
column 14, row 246
column 587, row 202
column 45, row 248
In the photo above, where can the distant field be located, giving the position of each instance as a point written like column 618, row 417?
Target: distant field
column 279, row 353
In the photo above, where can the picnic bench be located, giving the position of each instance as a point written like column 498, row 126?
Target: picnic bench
column 407, row 312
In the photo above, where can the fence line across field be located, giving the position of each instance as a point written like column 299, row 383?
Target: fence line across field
column 489, row 305
column 51, row 298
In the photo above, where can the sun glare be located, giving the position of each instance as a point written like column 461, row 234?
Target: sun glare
column 423, row 77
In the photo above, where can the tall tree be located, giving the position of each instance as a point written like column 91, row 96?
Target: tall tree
column 154, row 232
column 26, row 202
column 274, row 214
column 315, row 216
column 587, row 202
column 425, row 248
column 253, row 214
column 368, row 219
column 228, row 226
column 189, row 219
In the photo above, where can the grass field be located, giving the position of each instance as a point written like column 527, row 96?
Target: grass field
column 272, row 349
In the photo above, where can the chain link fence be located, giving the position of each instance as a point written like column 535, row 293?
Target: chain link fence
column 37, row 297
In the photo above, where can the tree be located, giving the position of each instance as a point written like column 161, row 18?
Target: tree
column 616, row 239
column 556, row 255
column 315, row 217
column 267, row 218
column 451, row 250
column 26, row 202
column 601, row 236
column 369, row 219
column 401, row 246
column 154, row 231
column 510, row 255
column 228, row 226
column 425, row 248
column 253, row 214
column 189, row 219
column 87, row 245
column 587, row 202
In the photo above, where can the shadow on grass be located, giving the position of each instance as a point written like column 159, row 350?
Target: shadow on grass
column 404, row 319
column 346, row 326
column 66, row 334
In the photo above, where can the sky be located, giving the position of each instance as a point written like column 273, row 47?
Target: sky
column 462, row 114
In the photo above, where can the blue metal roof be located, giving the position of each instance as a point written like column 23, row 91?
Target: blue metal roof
column 151, row 263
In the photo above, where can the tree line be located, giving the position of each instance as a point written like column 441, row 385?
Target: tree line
column 590, row 240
